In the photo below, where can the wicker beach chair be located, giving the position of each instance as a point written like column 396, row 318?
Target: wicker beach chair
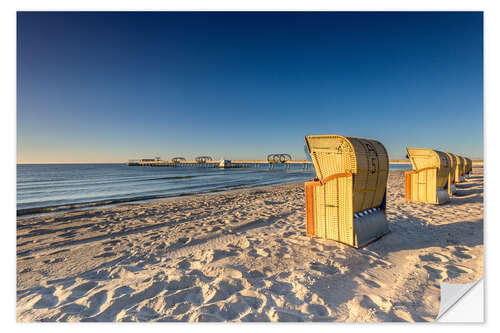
column 464, row 167
column 451, row 175
column 427, row 181
column 459, row 173
column 468, row 167
column 346, row 202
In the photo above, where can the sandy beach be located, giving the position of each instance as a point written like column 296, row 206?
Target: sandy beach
column 244, row 256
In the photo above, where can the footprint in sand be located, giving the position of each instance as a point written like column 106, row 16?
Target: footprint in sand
column 184, row 265
column 47, row 300
column 124, row 290
column 369, row 281
column 95, row 302
column 280, row 288
column 105, row 255
column 381, row 302
column 80, row 291
column 461, row 253
column 231, row 311
column 434, row 273
column 454, row 271
column 192, row 296
column 434, row 257
column 143, row 314
column 52, row 261
column 255, row 274
column 242, row 243
column 252, row 301
column 368, row 303
column 222, row 289
column 73, row 309
column 211, row 256
column 64, row 282
column 323, row 268
column 232, row 273
column 258, row 252
column 317, row 310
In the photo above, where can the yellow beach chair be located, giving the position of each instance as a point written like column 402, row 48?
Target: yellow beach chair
column 346, row 202
column 456, row 171
column 451, row 175
column 426, row 183
column 459, row 175
column 464, row 167
column 468, row 167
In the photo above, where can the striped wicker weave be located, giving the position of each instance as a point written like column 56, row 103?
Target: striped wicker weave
column 469, row 166
column 352, row 179
column 459, row 175
column 426, row 183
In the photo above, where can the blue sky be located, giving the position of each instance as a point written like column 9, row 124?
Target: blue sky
column 106, row 87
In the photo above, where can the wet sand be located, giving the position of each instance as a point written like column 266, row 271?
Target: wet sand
column 244, row 256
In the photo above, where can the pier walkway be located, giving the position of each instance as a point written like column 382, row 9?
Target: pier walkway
column 257, row 164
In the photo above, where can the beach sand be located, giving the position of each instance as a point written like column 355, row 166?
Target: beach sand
column 244, row 256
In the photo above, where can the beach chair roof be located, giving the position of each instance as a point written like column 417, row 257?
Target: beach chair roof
column 422, row 158
column 334, row 154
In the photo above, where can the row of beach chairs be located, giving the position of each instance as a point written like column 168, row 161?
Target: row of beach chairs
column 434, row 175
column 346, row 201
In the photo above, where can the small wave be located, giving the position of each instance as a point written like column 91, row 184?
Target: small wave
column 166, row 178
column 57, row 208
column 82, row 185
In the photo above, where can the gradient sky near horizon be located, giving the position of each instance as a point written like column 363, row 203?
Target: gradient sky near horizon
column 108, row 87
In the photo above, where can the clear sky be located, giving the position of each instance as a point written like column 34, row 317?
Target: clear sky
column 107, row 87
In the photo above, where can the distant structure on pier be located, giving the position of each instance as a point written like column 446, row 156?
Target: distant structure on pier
column 279, row 158
column 225, row 164
column 203, row 159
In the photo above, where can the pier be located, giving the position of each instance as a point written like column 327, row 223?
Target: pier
column 273, row 161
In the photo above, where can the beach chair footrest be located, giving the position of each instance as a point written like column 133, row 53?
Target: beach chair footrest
column 370, row 227
column 442, row 196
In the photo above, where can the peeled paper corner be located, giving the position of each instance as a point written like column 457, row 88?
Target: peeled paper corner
column 461, row 302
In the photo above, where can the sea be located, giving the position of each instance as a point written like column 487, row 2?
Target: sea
column 49, row 188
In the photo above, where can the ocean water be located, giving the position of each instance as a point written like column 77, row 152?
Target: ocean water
column 44, row 188
column 400, row 166
column 54, row 187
